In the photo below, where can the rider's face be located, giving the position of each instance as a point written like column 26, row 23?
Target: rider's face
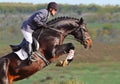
column 53, row 12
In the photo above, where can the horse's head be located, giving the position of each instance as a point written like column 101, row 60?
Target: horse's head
column 72, row 26
column 82, row 35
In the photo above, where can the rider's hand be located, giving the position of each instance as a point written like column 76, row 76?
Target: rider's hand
column 44, row 26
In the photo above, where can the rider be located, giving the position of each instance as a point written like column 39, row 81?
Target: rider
column 37, row 20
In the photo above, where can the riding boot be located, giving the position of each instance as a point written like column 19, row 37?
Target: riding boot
column 22, row 43
column 18, row 47
column 29, row 52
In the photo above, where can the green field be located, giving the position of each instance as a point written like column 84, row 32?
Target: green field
column 77, row 73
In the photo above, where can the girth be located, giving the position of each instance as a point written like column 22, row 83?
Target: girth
column 41, row 57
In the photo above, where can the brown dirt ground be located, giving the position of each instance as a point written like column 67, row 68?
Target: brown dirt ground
column 99, row 52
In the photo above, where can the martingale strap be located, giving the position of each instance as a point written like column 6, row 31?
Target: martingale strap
column 42, row 57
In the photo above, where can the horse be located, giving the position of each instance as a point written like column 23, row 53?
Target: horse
column 50, row 39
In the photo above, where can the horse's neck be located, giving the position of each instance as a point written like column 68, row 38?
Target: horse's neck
column 62, row 28
column 66, row 31
column 65, row 26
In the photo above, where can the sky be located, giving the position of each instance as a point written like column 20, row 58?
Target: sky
column 74, row 2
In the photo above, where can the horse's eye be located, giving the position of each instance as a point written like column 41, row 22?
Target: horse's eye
column 86, row 30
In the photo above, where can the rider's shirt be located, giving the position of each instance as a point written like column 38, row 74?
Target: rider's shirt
column 36, row 20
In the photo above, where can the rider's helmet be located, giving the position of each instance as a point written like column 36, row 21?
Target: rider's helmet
column 52, row 5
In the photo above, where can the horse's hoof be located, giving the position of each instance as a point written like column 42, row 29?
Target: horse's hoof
column 65, row 63
column 62, row 63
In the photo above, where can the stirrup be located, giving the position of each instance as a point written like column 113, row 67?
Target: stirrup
column 31, row 58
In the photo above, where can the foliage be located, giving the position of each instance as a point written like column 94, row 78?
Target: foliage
column 23, row 8
column 92, row 12
column 107, row 34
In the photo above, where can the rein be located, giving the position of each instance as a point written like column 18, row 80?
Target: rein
column 61, row 31
column 57, row 30
column 39, row 34
column 51, row 29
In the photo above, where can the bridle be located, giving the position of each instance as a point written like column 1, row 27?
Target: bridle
column 82, row 30
column 83, row 35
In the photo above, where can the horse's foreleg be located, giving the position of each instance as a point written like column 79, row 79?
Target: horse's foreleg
column 70, row 56
column 65, row 49
column 4, row 71
column 68, row 59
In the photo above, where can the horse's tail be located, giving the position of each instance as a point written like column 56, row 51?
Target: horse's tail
column 4, row 63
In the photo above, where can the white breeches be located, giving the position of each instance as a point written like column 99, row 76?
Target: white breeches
column 27, row 35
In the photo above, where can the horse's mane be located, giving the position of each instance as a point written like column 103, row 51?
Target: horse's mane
column 61, row 18
column 53, row 21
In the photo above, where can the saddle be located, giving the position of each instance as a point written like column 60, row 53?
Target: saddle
column 35, row 46
column 22, row 55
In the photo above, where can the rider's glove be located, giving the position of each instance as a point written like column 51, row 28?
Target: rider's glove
column 44, row 26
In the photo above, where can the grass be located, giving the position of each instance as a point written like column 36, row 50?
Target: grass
column 77, row 73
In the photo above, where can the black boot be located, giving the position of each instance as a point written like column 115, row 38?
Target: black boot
column 15, row 48
column 28, row 49
column 18, row 47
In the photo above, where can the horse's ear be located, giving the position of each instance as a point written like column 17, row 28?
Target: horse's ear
column 81, row 20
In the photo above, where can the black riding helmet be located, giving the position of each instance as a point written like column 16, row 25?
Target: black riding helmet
column 53, row 5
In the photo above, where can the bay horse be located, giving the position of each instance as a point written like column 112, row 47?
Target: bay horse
column 12, row 68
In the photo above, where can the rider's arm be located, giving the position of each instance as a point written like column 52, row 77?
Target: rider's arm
column 38, row 19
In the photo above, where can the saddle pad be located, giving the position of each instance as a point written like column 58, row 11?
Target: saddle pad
column 22, row 54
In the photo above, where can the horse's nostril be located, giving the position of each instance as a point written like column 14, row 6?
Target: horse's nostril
column 85, row 46
column 89, row 43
